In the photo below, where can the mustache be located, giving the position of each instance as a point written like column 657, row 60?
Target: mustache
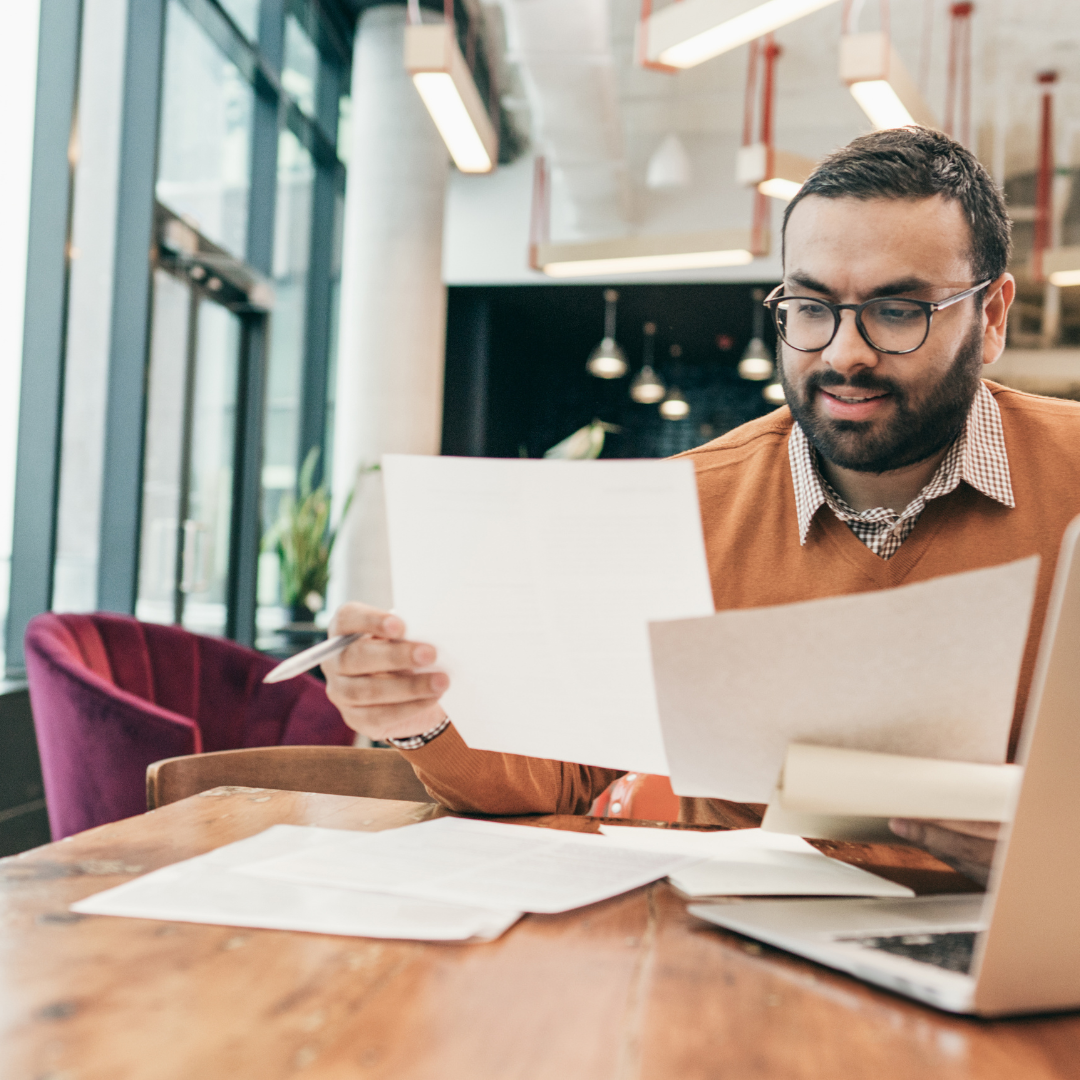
column 861, row 380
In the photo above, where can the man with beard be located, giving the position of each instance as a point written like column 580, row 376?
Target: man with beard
column 892, row 463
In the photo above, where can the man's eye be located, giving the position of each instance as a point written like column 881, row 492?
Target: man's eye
column 807, row 309
column 897, row 313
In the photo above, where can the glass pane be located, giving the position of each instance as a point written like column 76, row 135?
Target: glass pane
column 301, row 69
column 163, row 451
column 344, row 128
column 245, row 13
column 292, row 237
column 206, row 531
column 203, row 159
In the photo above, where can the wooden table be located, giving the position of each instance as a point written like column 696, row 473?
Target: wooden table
column 630, row 989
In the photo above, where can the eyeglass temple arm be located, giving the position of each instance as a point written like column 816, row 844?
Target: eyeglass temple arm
column 949, row 301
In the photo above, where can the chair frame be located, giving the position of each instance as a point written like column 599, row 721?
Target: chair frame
column 329, row 770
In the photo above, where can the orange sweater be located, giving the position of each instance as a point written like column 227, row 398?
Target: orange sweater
column 755, row 559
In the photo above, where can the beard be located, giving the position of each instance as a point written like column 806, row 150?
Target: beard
column 915, row 431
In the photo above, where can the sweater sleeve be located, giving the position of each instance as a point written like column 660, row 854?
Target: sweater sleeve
column 482, row 782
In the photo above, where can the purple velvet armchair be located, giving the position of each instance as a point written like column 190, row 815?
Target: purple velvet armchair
column 111, row 694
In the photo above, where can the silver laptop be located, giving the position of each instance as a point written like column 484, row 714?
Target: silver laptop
column 1014, row 949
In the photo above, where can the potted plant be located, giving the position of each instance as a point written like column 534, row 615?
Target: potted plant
column 303, row 540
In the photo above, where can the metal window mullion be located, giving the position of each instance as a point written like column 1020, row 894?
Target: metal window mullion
column 125, row 409
column 37, row 472
column 246, row 532
column 312, row 426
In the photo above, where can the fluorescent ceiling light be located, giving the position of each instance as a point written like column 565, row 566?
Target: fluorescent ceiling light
column 644, row 264
column 446, row 86
column 776, row 173
column 1062, row 266
column 647, row 254
column 880, row 83
column 686, row 34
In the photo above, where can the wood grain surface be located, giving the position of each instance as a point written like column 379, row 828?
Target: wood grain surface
column 630, row 989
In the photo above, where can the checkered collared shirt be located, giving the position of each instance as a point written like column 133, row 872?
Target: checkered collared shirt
column 977, row 457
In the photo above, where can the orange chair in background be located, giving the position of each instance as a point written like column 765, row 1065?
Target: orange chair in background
column 638, row 795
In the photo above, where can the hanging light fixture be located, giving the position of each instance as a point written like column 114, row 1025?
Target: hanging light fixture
column 880, row 83
column 759, row 164
column 647, row 254
column 648, row 388
column 756, row 364
column 774, row 393
column 669, row 166
column 1062, row 266
column 607, row 360
column 674, row 406
column 446, row 85
column 686, row 34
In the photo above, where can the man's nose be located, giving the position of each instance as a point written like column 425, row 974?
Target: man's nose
column 848, row 351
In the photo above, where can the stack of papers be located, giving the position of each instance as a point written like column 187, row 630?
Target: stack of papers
column 443, row 880
column 465, row 880
column 212, row 888
column 477, row 863
column 752, row 862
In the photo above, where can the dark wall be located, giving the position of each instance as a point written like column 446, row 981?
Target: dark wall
column 515, row 366
column 23, row 821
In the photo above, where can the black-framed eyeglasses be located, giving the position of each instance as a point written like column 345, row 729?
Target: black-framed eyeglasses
column 888, row 324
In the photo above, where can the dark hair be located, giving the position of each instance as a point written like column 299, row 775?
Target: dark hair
column 918, row 163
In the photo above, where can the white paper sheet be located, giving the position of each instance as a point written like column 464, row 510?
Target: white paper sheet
column 927, row 670
column 209, row 889
column 535, row 580
column 471, row 862
column 750, row 862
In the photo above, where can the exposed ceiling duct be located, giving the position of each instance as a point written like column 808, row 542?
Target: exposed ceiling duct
column 563, row 53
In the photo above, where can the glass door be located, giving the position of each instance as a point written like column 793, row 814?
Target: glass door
column 204, row 315
column 189, row 457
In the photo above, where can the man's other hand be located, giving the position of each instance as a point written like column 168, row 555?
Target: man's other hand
column 375, row 683
column 967, row 846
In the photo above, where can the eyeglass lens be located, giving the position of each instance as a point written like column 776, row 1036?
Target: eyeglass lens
column 891, row 325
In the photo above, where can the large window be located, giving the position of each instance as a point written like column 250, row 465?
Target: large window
column 204, row 154
column 18, row 67
column 275, row 217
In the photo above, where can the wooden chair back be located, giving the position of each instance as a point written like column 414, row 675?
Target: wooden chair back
column 328, row 770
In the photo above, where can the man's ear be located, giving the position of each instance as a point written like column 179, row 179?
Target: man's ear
column 998, row 299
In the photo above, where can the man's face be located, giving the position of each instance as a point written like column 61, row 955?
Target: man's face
column 861, row 409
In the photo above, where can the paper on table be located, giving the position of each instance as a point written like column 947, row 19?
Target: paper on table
column 535, row 580
column 475, row 863
column 750, row 862
column 928, row 670
column 208, row 889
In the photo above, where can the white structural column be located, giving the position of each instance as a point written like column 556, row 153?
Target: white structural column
column 393, row 301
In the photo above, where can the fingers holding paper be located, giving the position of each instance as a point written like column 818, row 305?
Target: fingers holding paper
column 375, row 683
column 967, row 846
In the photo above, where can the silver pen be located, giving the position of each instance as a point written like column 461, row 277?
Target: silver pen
column 309, row 658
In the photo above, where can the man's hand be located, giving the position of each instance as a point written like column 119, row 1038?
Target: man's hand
column 967, row 846
column 374, row 682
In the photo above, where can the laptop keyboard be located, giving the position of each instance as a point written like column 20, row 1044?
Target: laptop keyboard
column 952, row 951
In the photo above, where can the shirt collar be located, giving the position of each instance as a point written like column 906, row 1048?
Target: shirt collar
column 977, row 457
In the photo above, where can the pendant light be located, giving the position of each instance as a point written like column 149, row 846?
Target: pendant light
column 669, row 166
column 607, row 360
column 756, row 364
column 648, row 388
column 774, row 393
column 675, row 406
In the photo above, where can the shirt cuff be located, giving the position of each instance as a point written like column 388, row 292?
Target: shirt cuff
column 414, row 742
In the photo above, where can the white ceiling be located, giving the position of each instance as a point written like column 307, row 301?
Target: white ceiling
column 598, row 116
